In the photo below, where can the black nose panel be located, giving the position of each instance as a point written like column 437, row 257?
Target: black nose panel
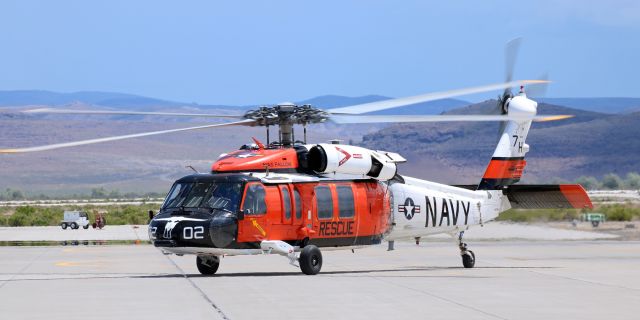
column 224, row 227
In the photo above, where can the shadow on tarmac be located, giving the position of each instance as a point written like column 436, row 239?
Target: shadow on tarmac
column 387, row 273
column 355, row 272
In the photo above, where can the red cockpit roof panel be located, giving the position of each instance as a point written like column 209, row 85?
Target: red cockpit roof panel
column 257, row 160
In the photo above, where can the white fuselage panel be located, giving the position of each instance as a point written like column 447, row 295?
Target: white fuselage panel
column 421, row 208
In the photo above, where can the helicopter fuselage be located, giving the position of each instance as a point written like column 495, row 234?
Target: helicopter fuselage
column 234, row 213
column 323, row 212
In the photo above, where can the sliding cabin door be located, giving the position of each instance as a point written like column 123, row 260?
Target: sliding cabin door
column 335, row 214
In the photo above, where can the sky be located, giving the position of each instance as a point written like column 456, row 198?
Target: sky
column 253, row 52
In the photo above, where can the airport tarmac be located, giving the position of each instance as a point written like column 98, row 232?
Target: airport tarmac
column 512, row 280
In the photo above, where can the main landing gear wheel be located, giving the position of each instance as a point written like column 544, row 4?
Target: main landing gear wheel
column 208, row 265
column 468, row 257
column 310, row 260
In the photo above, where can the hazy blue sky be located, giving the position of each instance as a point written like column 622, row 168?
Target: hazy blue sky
column 246, row 52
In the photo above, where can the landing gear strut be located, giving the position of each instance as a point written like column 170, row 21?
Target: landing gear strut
column 207, row 265
column 468, row 258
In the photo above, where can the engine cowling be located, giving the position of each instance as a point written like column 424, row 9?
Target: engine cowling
column 338, row 158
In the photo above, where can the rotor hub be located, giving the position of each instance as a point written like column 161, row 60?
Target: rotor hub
column 287, row 113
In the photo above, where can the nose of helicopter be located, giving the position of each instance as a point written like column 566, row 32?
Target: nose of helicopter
column 223, row 229
column 218, row 230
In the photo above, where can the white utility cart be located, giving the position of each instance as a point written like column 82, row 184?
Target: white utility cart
column 75, row 220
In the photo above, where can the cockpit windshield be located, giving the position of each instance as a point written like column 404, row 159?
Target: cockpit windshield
column 205, row 194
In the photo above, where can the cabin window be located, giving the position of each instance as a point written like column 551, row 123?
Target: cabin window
column 346, row 204
column 286, row 202
column 324, row 202
column 296, row 197
column 254, row 200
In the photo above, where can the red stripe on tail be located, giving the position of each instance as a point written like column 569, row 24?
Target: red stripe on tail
column 505, row 168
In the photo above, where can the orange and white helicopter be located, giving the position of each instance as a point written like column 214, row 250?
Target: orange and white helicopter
column 293, row 198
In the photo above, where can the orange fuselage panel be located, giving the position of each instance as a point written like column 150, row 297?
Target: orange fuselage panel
column 370, row 219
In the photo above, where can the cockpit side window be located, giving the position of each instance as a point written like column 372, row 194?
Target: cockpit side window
column 254, row 200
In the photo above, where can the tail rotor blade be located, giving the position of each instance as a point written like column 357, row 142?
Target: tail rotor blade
column 511, row 55
column 539, row 91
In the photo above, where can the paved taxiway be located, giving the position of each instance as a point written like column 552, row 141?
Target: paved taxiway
column 512, row 280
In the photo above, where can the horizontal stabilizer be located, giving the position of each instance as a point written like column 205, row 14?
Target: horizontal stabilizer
column 547, row 196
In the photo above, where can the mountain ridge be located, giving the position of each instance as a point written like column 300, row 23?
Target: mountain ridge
column 117, row 100
column 590, row 143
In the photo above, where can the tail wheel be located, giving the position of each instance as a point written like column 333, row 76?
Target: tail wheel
column 310, row 260
column 64, row 226
column 207, row 265
column 468, row 259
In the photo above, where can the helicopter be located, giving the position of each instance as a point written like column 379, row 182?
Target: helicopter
column 295, row 199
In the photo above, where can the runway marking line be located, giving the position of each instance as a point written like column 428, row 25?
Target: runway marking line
column 79, row 264
column 195, row 286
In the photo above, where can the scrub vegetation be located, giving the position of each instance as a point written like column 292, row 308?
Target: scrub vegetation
column 615, row 212
column 611, row 181
column 138, row 214
column 11, row 194
column 51, row 216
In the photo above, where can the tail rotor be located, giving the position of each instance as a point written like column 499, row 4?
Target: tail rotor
column 511, row 55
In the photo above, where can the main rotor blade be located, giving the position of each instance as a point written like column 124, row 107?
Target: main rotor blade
column 135, row 113
column 399, row 102
column 128, row 136
column 344, row 119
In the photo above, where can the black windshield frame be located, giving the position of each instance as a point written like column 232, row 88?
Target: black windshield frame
column 205, row 194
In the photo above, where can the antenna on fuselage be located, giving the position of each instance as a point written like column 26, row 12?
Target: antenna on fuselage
column 192, row 168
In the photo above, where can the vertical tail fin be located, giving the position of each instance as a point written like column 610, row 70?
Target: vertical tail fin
column 507, row 163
